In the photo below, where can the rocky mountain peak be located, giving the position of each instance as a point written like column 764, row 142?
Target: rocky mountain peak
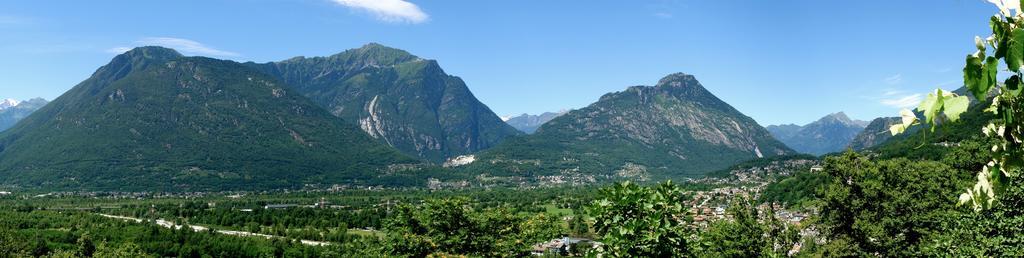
column 8, row 103
column 838, row 116
column 831, row 133
column 842, row 118
column 136, row 59
column 408, row 102
column 678, row 80
column 153, row 52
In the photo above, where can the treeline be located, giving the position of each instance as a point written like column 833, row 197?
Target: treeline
column 81, row 234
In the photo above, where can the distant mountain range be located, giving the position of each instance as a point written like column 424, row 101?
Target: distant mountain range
column 12, row 111
column 529, row 123
column 407, row 102
column 674, row 129
column 8, row 103
column 152, row 119
column 831, row 133
column 874, row 134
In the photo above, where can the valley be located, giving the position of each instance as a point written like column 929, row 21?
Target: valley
column 371, row 128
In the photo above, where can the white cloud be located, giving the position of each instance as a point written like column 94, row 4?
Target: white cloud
column 895, row 79
column 12, row 20
column 118, row 50
column 907, row 101
column 185, row 46
column 891, row 92
column 388, row 10
column 663, row 15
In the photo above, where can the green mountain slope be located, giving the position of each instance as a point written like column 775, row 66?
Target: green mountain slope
column 674, row 129
column 408, row 102
column 918, row 142
column 831, row 133
column 154, row 120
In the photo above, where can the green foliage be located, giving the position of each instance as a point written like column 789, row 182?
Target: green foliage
column 80, row 234
column 578, row 225
column 452, row 226
column 129, row 250
column 994, row 232
column 636, row 221
column 980, row 76
column 800, row 189
column 153, row 120
column 749, row 233
column 889, row 207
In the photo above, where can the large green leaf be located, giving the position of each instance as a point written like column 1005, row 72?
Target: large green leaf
column 1013, row 86
column 973, row 73
column 931, row 106
column 953, row 106
column 999, row 32
column 1015, row 53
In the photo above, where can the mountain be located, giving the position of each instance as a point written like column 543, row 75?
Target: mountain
column 874, row 134
column 831, row 133
column 8, row 103
column 674, row 129
column 918, row 142
column 878, row 133
column 18, row 110
column 154, row 120
column 406, row 101
column 529, row 123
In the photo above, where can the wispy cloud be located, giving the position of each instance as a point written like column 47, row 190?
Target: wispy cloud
column 663, row 15
column 13, row 20
column 907, row 101
column 397, row 11
column 186, row 46
column 118, row 50
column 892, row 92
column 893, row 80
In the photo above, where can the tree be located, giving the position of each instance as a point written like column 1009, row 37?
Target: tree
column 85, row 246
column 453, row 226
column 980, row 78
column 578, row 225
column 745, row 235
column 635, row 221
column 888, row 207
column 128, row 250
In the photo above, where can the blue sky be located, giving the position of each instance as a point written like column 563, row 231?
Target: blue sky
column 776, row 61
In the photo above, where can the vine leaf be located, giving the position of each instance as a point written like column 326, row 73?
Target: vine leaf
column 907, row 119
column 1015, row 55
column 931, row 106
column 954, row 106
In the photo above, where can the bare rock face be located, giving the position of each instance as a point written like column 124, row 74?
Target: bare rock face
column 406, row 101
column 676, row 128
